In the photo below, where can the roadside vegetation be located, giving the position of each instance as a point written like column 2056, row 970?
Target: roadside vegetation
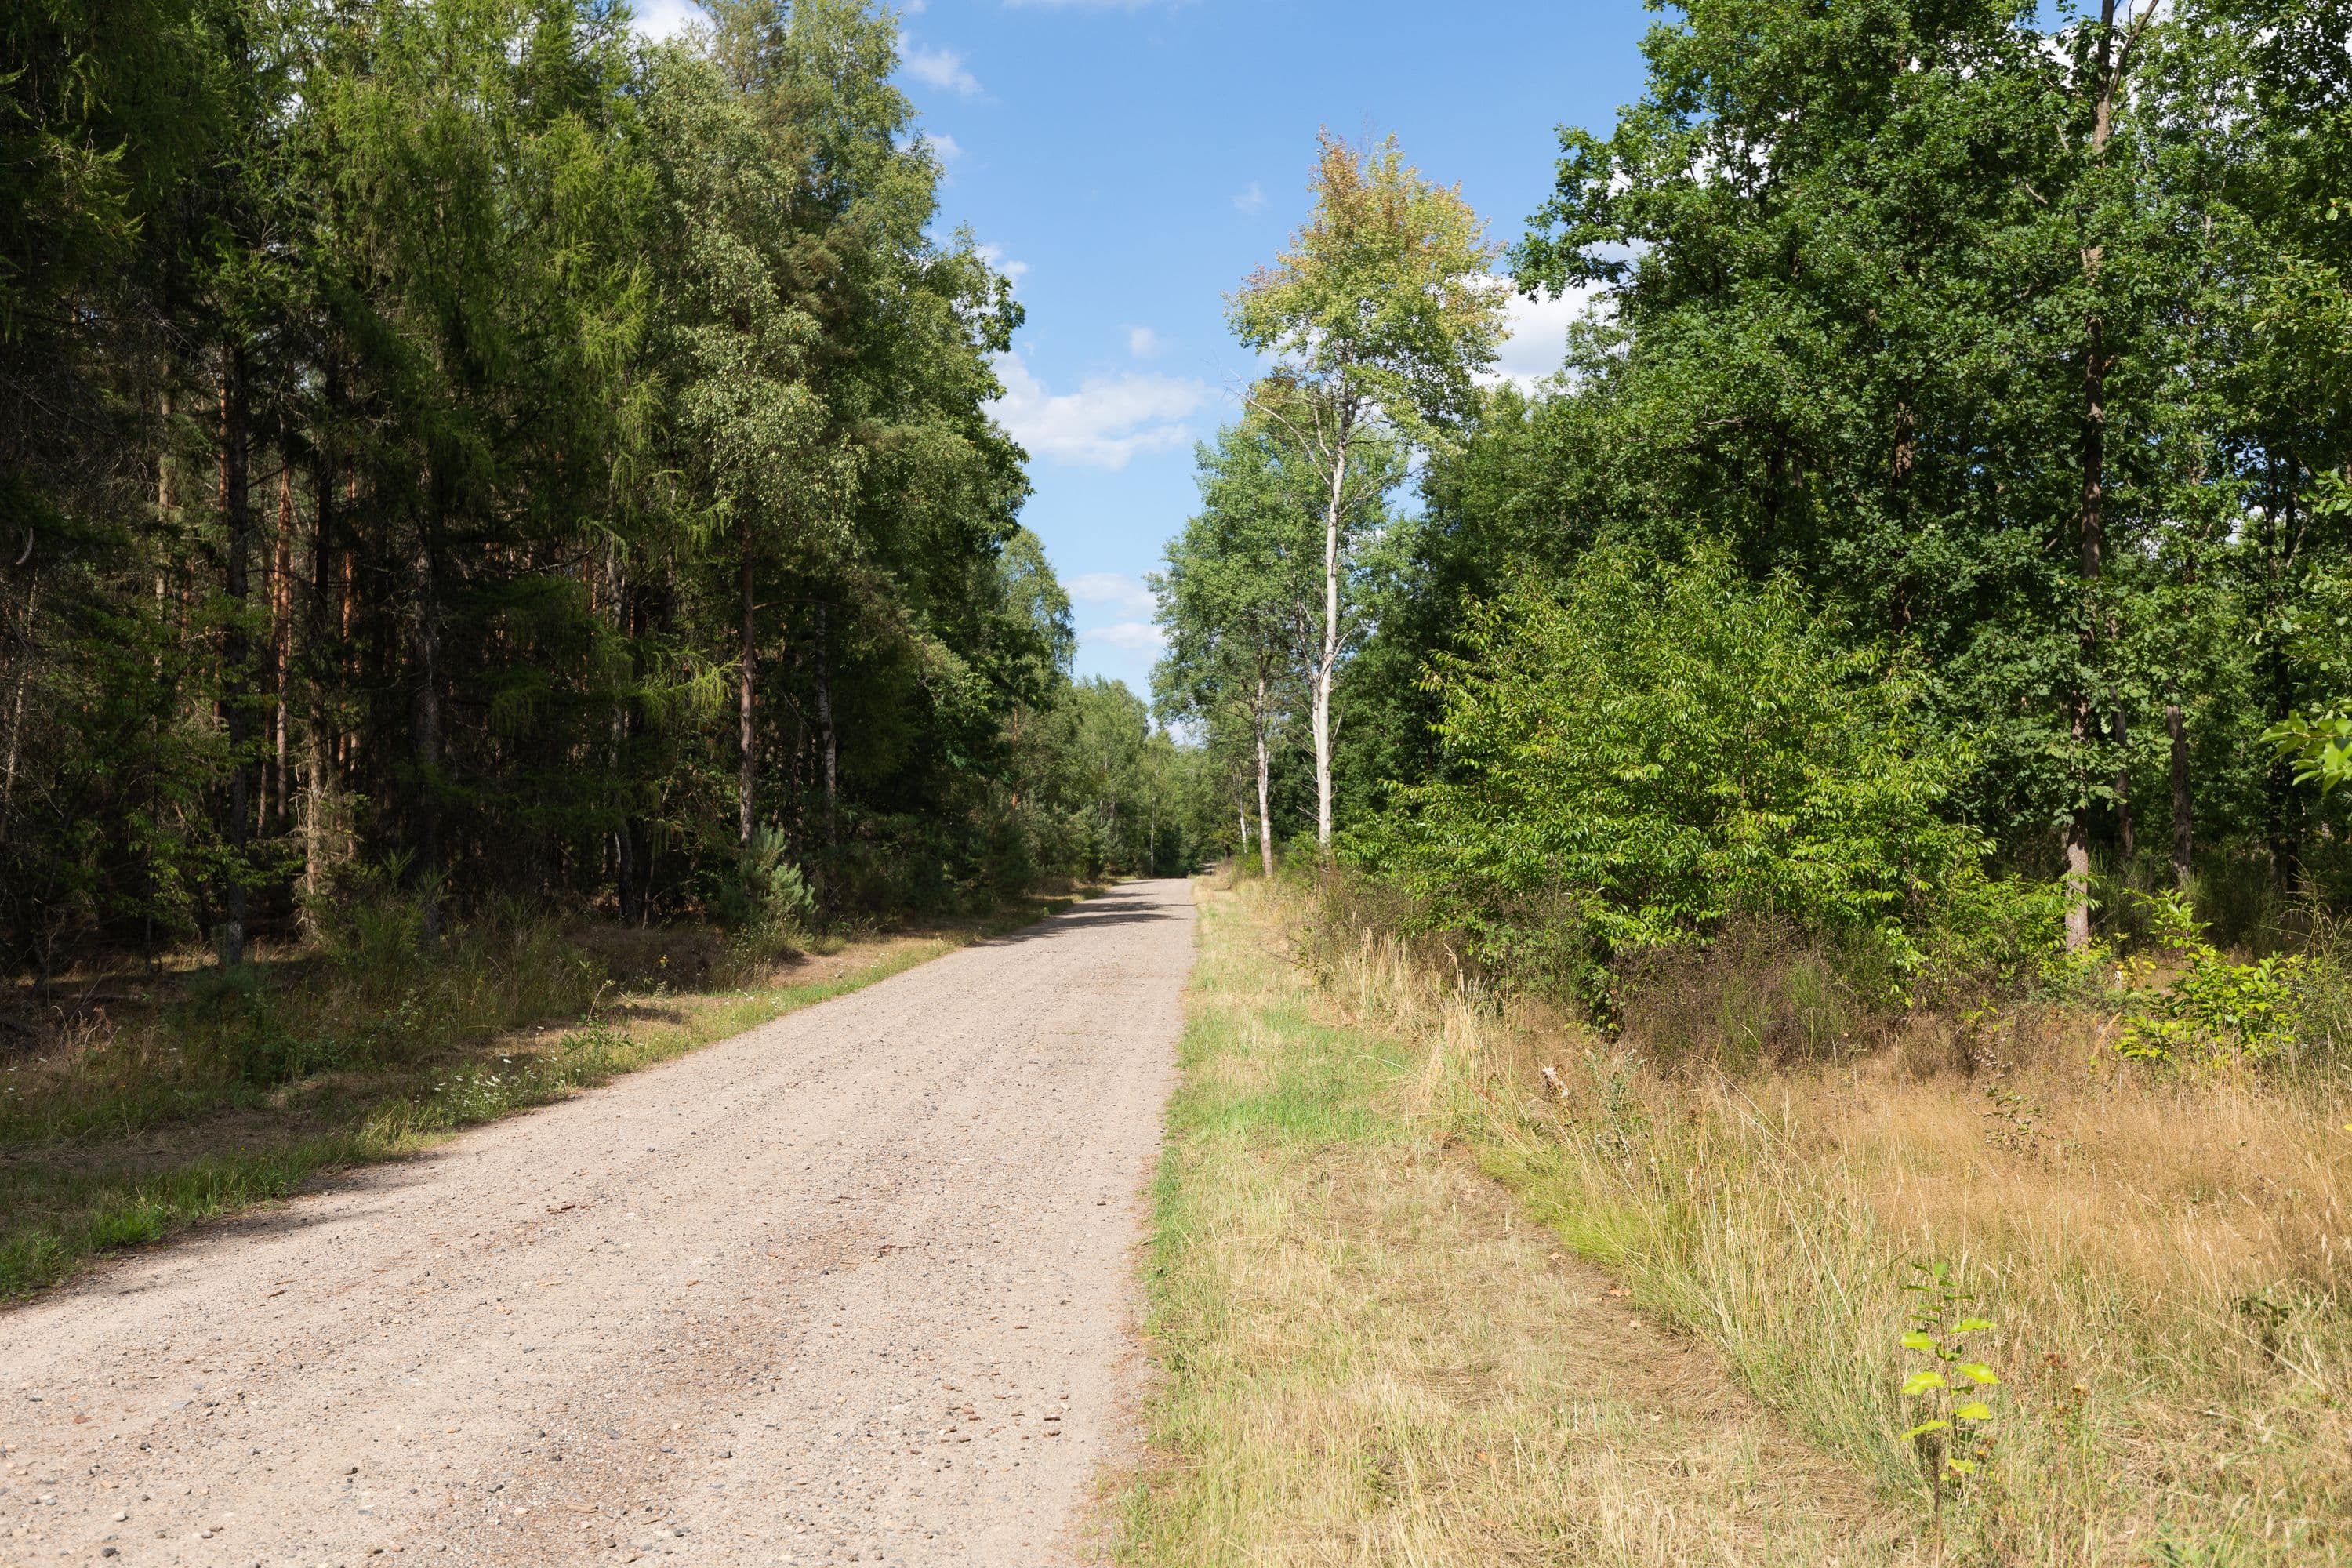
column 1796, row 1176
column 1835, row 799
column 1368, row 1353
column 191, row 1094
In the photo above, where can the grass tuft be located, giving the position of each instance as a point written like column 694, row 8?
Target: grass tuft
column 2165, row 1255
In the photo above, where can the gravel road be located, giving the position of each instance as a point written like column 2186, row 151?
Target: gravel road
column 857, row 1286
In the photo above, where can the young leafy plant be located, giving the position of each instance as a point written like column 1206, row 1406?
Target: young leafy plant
column 1953, row 1437
column 2212, row 1011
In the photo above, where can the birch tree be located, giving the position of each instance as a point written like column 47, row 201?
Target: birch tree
column 1237, row 601
column 1378, row 317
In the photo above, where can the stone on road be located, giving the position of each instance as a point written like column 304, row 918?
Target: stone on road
column 855, row 1286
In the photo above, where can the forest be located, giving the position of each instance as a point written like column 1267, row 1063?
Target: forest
column 1831, row 799
column 463, row 449
column 1940, row 525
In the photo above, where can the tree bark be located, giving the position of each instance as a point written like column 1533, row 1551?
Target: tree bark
column 236, row 512
column 747, row 743
column 1264, row 787
column 2078, row 857
column 282, row 640
column 425, row 653
column 314, row 656
column 832, row 743
column 2183, row 839
column 1330, row 639
column 2091, row 519
column 24, row 673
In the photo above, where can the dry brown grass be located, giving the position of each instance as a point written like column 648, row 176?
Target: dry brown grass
column 1373, row 1356
column 2165, row 1254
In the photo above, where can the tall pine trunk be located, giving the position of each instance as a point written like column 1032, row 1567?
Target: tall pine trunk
column 315, row 759
column 424, row 658
column 236, row 515
column 747, row 680
column 2183, row 836
column 832, row 743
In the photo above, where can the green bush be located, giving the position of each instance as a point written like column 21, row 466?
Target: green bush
column 1635, row 759
column 2211, row 1011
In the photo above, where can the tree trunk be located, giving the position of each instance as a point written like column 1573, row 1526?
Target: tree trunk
column 1265, row 788
column 2183, row 841
column 2090, row 520
column 281, row 640
column 1330, row 641
column 832, row 743
column 425, row 653
column 747, row 743
column 314, row 645
column 24, row 672
column 2078, row 857
column 237, row 513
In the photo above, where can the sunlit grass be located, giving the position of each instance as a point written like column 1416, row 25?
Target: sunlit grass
column 1368, row 1355
column 2165, row 1255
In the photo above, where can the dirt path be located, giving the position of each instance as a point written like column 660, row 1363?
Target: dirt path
column 854, row 1286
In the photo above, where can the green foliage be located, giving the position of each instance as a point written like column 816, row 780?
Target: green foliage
column 459, row 433
column 1953, row 1439
column 2210, row 1011
column 1632, row 759
column 2319, row 747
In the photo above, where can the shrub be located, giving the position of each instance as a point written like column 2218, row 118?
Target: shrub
column 1634, row 760
column 2212, row 1011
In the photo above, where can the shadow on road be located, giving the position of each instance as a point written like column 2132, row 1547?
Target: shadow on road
column 1124, row 907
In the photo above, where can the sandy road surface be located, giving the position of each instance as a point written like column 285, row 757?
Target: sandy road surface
column 854, row 1286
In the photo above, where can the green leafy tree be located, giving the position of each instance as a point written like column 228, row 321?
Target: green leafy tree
column 1237, row 600
column 1378, row 317
column 1642, row 755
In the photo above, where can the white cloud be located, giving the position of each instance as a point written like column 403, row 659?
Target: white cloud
column 1143, row 342
column 665, row 18
column 1251, row 199
column 946, row 146
column 1108, row 421
column 1083, row 4
column 994, row 256
column 1538, row 341
column 942, row 68
column 1116, row 589
column 1127, row 637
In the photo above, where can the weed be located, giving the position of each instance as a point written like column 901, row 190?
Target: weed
column 1953, row 1439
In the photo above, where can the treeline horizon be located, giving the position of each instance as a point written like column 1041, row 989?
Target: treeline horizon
column 461, row 449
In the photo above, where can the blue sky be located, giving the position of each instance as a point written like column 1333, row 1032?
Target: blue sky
column 1130, row 160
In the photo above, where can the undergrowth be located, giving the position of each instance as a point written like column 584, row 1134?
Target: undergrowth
column 1765, row 1161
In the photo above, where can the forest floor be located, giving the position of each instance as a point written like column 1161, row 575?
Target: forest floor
column 124, row 1124
column 854, row 1285
column 1369, row 1353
